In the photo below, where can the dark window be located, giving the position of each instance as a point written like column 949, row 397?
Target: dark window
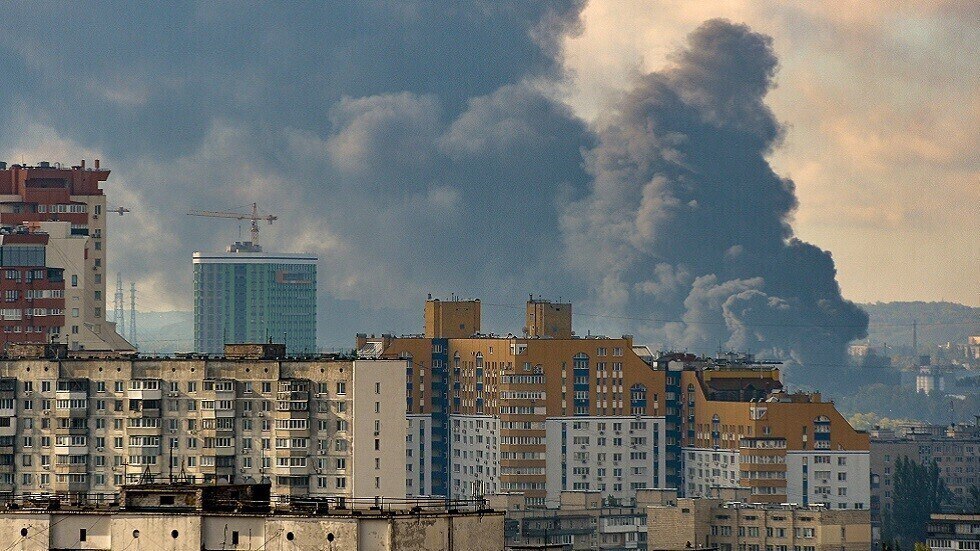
column 234, row 538
column 82, row 535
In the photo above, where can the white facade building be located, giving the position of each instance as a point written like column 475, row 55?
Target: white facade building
column 474, row 452
column 706, row 469
column 839, row 479
column 418, row 455
column 612, row 455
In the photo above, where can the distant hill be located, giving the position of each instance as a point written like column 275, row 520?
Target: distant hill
column 165, row 332
column 938, row 323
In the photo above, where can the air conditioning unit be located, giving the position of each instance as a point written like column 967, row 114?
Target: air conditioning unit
column 100, row 449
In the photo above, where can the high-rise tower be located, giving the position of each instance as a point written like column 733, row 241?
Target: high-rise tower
column 69, row 205
column 246, row 295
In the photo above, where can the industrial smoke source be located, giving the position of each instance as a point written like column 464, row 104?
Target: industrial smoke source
column 686, row 222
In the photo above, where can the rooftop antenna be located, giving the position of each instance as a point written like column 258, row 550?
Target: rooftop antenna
column 132, row 315
column 915, row 337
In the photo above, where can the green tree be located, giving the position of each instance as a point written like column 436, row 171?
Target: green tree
column 973, row 500
column 919, row 491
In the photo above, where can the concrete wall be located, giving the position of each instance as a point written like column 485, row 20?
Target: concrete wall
column 379, row 417
column 67, row 531
column 13, row 534
column 155, row 531
column 180, row 532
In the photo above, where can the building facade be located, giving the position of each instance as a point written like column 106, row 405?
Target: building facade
column 537, row 413
column 246, row 295
column 708, row 523
column 953, row 532
column 955, row 449
column 69, row 205
column 584, row 520
column 318, row 427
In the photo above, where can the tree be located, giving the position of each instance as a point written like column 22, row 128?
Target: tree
column 973, row 500
column 919, row 491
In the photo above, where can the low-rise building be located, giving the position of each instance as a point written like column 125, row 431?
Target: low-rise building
column 953, row 532
column 580, row 520
column 204, row 517
column 710, row 523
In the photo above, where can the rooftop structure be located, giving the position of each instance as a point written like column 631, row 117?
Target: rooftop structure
column 195, row 517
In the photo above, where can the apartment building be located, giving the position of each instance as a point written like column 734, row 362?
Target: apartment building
column 709, row 523
column 195, row 516
column 537, row 413
column 954, row 448
column 583, row 520
column 88, row 425
column 947, row 532
column 69, row 205
column 486, row 401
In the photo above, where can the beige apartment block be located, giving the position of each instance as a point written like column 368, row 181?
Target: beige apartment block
column 734, row 526
column 320, row 427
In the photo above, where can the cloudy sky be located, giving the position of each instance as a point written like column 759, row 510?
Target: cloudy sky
column 683, row 174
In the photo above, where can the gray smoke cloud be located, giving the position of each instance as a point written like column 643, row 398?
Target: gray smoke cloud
column 418, row 147
column 685, row 219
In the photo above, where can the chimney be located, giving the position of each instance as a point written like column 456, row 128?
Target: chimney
column 83, row 164
column 96, row 164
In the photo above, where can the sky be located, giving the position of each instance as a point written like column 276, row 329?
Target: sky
column 700, row 174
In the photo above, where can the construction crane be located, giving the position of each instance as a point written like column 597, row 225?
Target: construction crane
column 254, row 217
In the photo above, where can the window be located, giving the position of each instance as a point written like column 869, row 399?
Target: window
column 74, row 279
column 341, row 387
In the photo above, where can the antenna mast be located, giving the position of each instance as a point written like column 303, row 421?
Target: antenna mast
column 132, row 315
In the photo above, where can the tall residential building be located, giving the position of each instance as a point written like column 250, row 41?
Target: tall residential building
column 551, row 412
column 69, row 206
column 246, row 295
column 323, row 426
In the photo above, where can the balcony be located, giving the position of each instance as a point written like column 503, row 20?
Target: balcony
column 8, row 427
column 145, row 389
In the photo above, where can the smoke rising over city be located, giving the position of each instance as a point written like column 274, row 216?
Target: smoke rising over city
column 689, row 220
column 441, row 161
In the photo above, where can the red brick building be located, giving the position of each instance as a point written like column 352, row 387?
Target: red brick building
column 69, row 206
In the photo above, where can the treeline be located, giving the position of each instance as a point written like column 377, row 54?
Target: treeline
column 896, row 402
